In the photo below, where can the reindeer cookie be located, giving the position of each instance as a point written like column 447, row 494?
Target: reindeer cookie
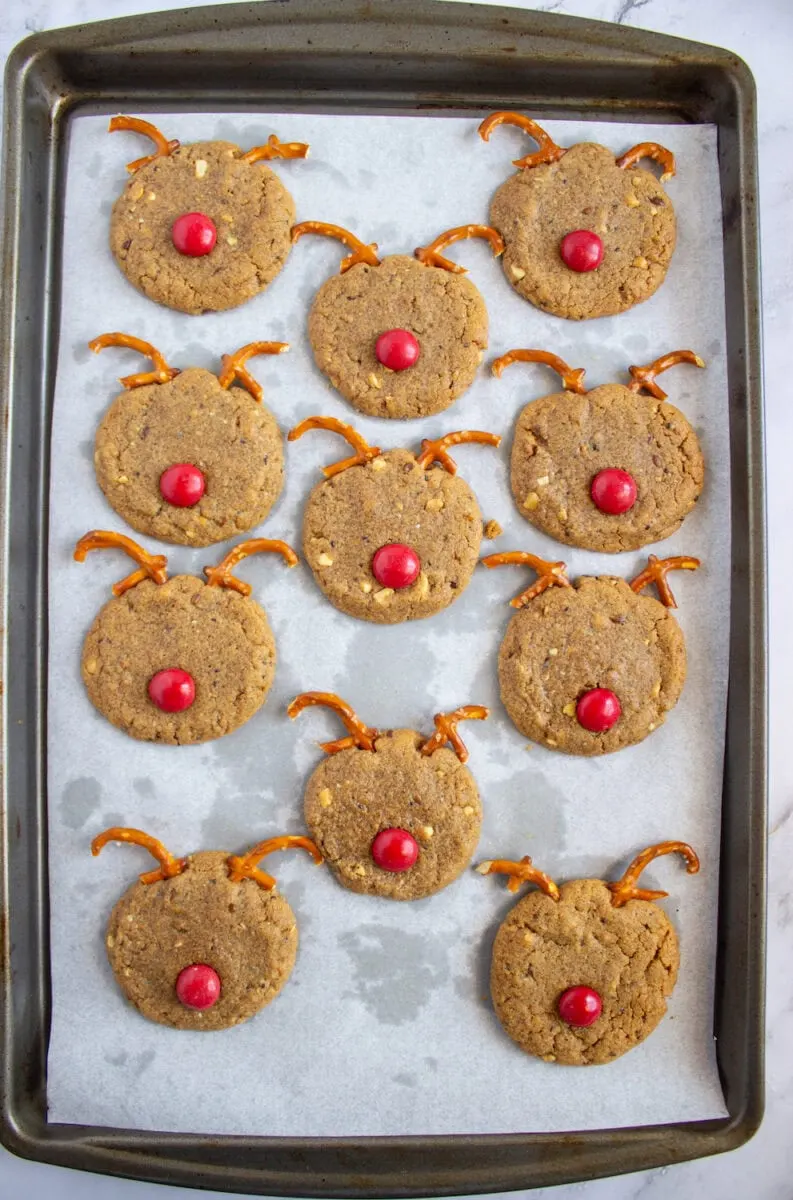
column 608, row 469
column 202, row 942
column 179, row 660
column 204, row 227
column 185, row 457
column 581, row 974
column 393, row 813
column 586, row 235
column 401, row 336
column 389, row 536
column 591, row 667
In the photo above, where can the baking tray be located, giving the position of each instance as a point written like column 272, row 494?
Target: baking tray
column 383, row 56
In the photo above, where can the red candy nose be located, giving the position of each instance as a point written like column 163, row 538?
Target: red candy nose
column 397, row 349
column 580, row 1006
column 598, row 709
column 182, row 485
column 581, row 250
column 172, row 690
column 194, row 234
column 396, row 566
column 613, row 491
column 198, row 986
column 395, row 850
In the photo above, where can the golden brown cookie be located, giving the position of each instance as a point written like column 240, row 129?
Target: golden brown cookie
column 591, row 667
column 179, row 660
column 582, row 973
column 402, row 337
column 607, row 469
column 389, row 536
column 586, row 235
column 393, row 813
column 204, row 227
column 203, row 942
column 185, row 457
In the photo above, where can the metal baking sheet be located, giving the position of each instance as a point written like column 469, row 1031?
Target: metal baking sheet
column 346, row 79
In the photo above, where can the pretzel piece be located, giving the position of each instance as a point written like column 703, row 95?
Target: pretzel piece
column 644, row 377
column 169, row 866
column 234, row 366
column 244, row 866
column 431, row 256
column 572, row 377
column 548, row 151
column 136, row 125
column 361, row 736
column 520, row 872
column 275, row 149
column 361, row 253
column 435, row 451
column 625, row 888
column 221, row 575
column 656, row 572
column 446, row 729
column 151, row 566
column 364, row 453
column 652, row 150
column 551, row 574
column 162, row 373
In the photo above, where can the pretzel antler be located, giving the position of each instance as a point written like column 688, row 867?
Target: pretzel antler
column 644, row 377
column 656, row 572
column 519, row 872
column 435, row 451
column 234, row 366
column 151, row 566
column 275, row 149
column 243, row 866
column 548, row 151
column 221, row 575
column 136, row 125
column 651, row 150
column 446, row 729
column 572, row 377
column 162, row 373
column 361, row 736
column 551, row 574
column 361, row 253
column 431, row 256
column 625, row 888
column 169, row 866
column 364, row 453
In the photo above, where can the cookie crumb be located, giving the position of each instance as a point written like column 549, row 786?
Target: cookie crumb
column 492, row 530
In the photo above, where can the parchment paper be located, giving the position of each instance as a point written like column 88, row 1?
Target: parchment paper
column 385, row 1026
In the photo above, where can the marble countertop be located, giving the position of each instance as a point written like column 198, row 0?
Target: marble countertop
column 762, row 33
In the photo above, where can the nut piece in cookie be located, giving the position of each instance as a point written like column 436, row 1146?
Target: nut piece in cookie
column 185, row 457
column 591, row 667
column 581, row 973
column 399, row 337
column 608, row 469
column 204, row 227
column 179, row 660
column 202, row 942
column 393, row 813
column 390, row 536
column 586, row 235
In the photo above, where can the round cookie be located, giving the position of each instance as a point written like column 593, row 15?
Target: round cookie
column 423, row 300
column 393, row 784
column 208, row 638
column 562, row 443
column 585, row 936
column 193, row 418
column 583, row 188
column 247, row 205
column 394, row 498
column 596, row 643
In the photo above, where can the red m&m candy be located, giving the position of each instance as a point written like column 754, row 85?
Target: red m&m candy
column 597, row 710
column 397, row 349
column 396, row 565
column 613, row 491
column 194, row 234
column 581, row 250
column 172, row 690
column 198, row 986
column 182, row 485
column 580, row 1006
column 395, row 850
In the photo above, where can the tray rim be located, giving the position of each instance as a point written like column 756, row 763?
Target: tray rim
column 47, row 73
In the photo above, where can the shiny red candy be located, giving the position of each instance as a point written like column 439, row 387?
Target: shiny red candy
column 182, row 485
column 198, row 986
column 598, row 709
column 395, row 850
column 613, row 491
column 194, row 234
column 172, row 690
column 397, row 349
column 581, row 250
column 396, row 566
column 580, row 1006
